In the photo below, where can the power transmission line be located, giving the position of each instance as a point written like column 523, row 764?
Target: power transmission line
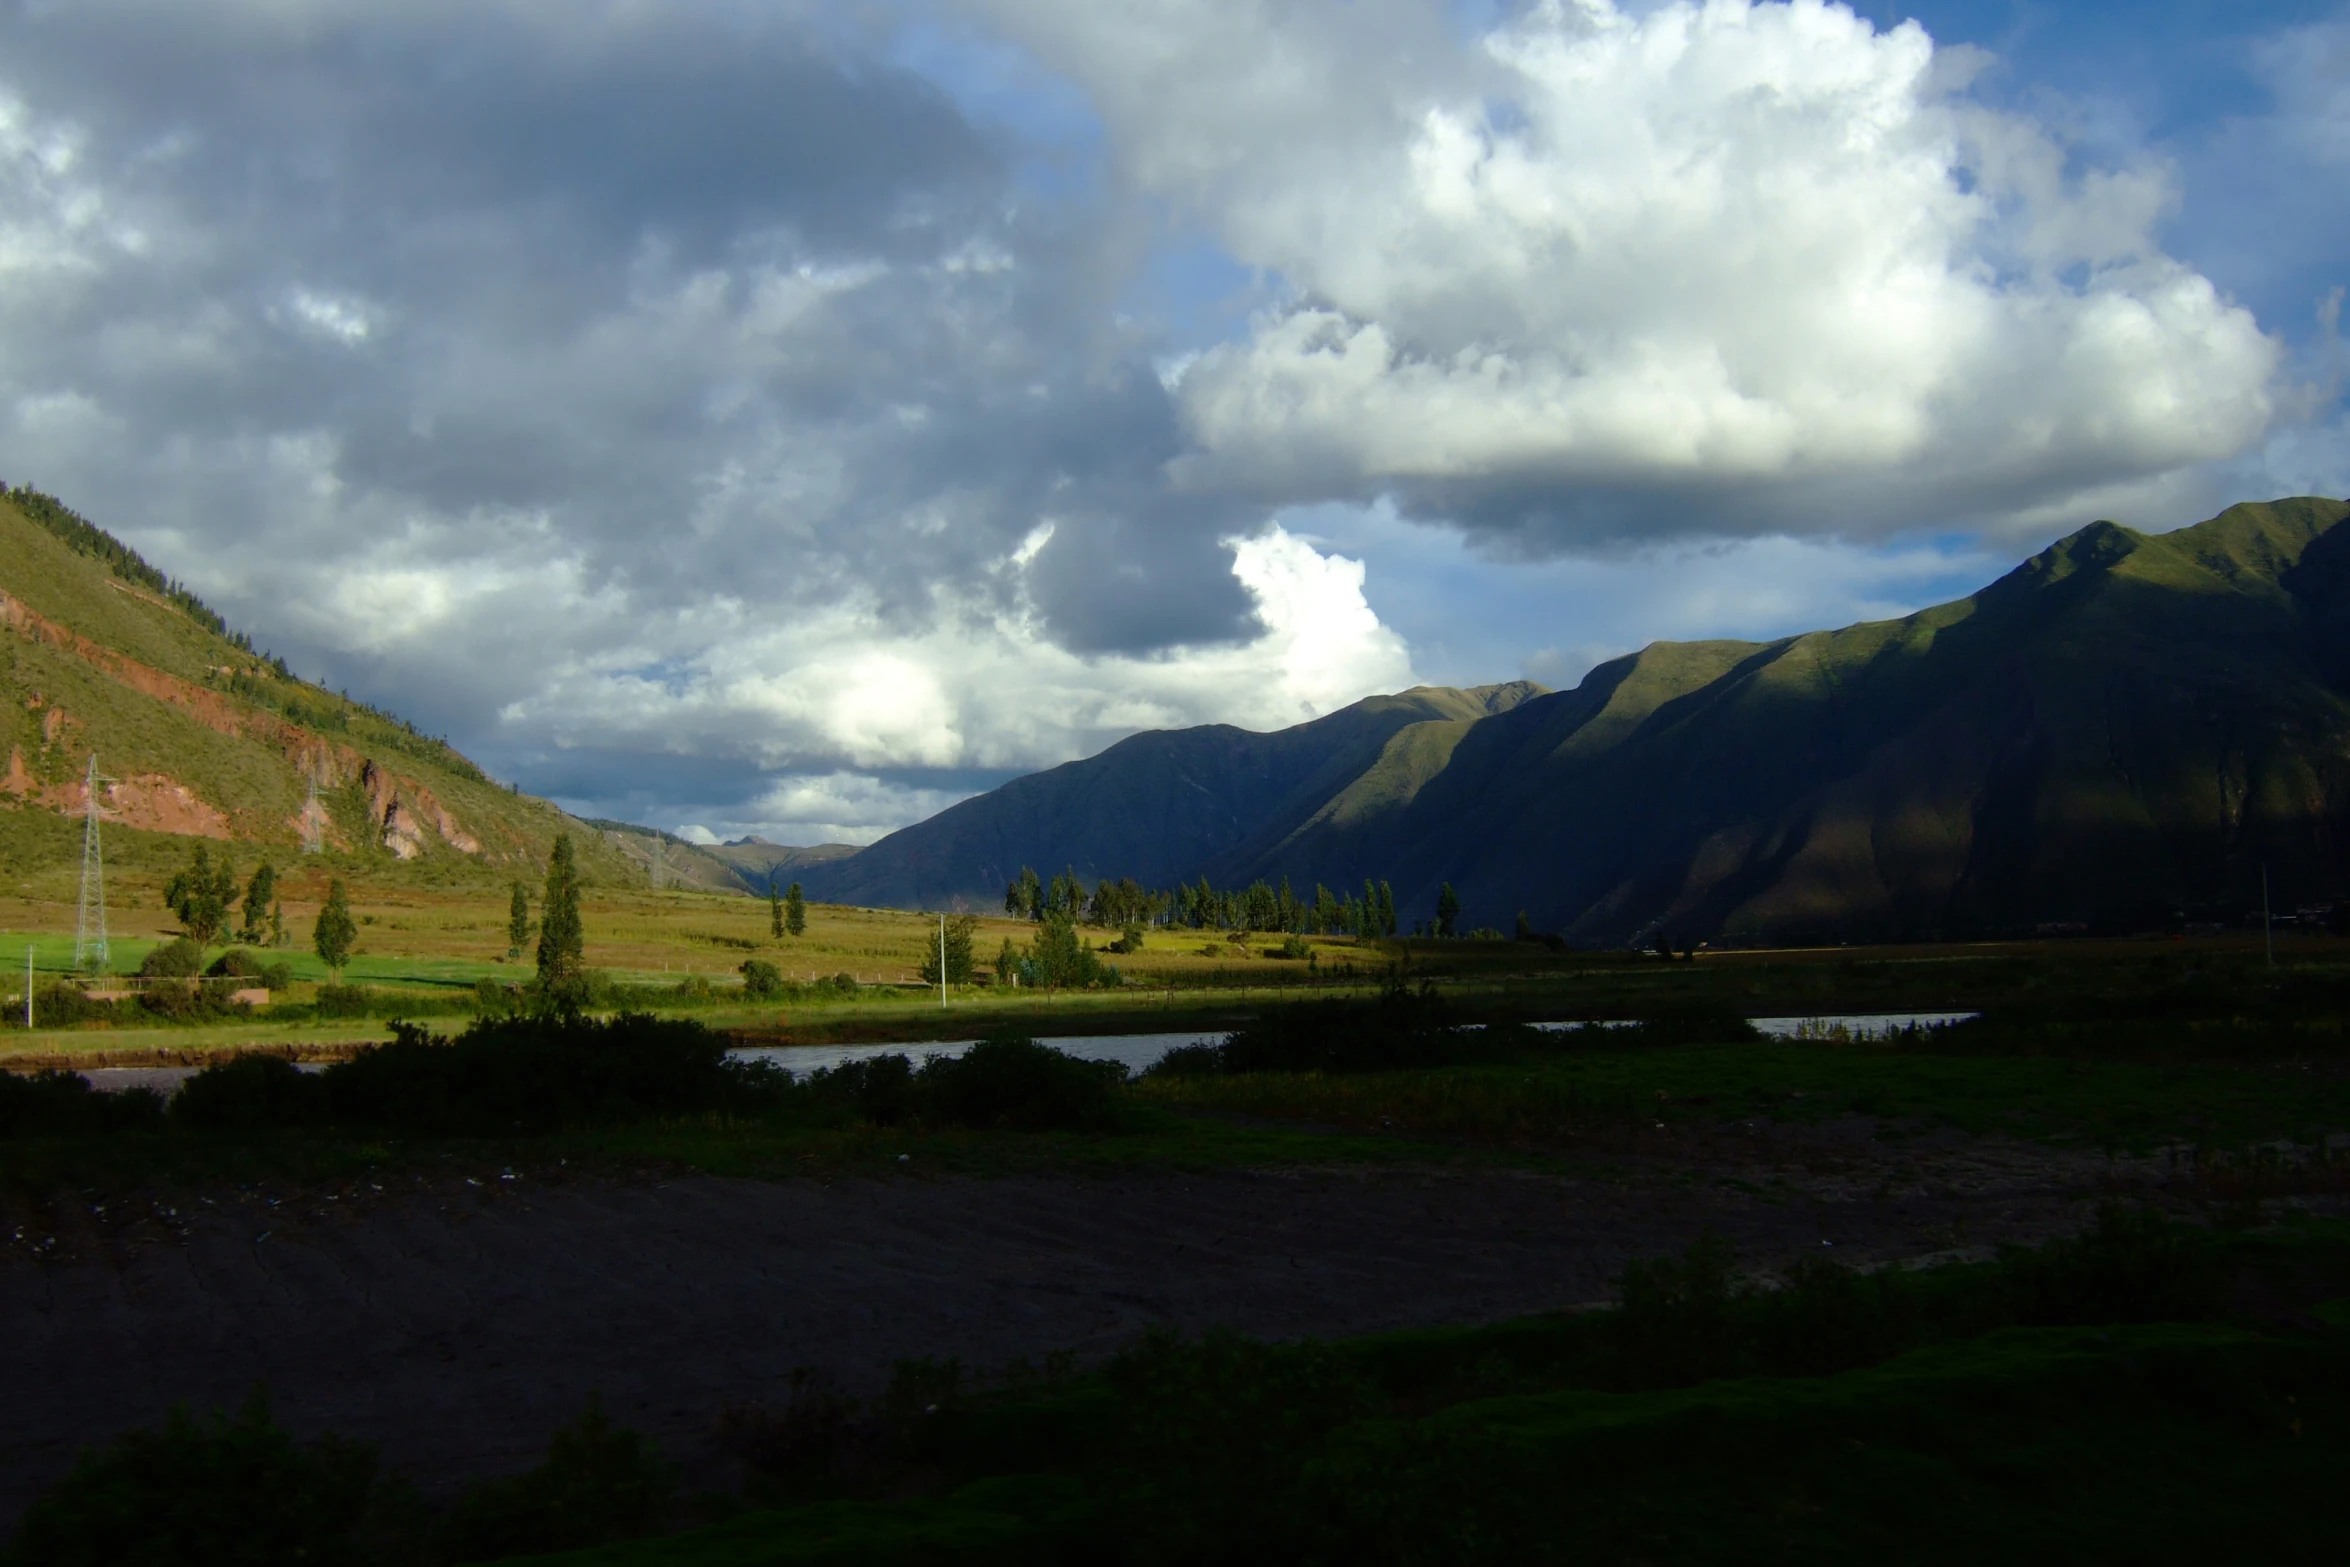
column 90, row 950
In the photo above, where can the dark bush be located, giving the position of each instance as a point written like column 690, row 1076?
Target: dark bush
column 250, row 1093
column 1402, row 1028
column 535, row 1075
column 1189, row 1061
column 237, row 963
column 494, row 1000
column 55, row 1104
column 600, row 1483
column 179, row 958
column 761, row 979
column 2131, row 1265
column 1004, row 1082
column 1015, row 1084
column 191, row 1000
column 63, row 1005
column 223, row 1491
column 879, row 1090
column 1676, row 1322
column 344, row 1000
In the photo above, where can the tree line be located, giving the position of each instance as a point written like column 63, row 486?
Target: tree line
column 1125, row 904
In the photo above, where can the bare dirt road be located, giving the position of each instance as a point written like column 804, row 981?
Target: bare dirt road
column 457, row 1324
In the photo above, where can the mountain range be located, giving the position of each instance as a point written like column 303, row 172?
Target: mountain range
column 2125, row 730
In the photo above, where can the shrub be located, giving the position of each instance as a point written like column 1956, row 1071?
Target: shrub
column 494, row 1000
column 250, row 1093
column 1016, row 1084
column 600, row 1483
column 2131, row 1265
column 761, row 979
column 1402, row 1028
column 344, row 1000
column 179, row 958
column 1676, row 1324
column 1004, row 1082
column 1189, row 1061
column 219, row 1491
column 53, row 1104
column 60, row 1005
column 191, row 1001
column 879, row 1090
column 539, row 1074
column 1296, row 947
column 237, row 963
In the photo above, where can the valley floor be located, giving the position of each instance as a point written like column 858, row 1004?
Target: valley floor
column 458, row 1318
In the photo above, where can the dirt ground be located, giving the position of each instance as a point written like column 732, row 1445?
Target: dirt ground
column 457, row 1321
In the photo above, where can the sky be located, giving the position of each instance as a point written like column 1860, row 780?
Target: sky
column 756, row 416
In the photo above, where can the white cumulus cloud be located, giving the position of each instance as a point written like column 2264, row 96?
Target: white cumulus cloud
column 1751, row 252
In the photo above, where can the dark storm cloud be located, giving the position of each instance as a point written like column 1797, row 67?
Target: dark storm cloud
column 631, row 309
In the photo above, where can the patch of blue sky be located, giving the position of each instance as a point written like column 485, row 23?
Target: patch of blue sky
column 1471, row 619
column 1057, row 136
column 1193, row 295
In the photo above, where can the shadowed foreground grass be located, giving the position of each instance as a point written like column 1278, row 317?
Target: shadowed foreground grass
column 2107, row 1397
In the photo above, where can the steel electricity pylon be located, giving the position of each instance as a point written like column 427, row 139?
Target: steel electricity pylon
column 90, row 951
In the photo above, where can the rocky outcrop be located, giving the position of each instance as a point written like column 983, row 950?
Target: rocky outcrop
column 403, row 812
column 406, row 810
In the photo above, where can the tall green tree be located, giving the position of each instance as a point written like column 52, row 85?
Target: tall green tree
column 517, row 921
column 1448, row 909
column 774, row 910
column 562, row 937
column 1387, row 923
column 795, row 910
column 260, row 893
column 202, row 896
column 958, row 954
column 1060, row 958
column 335, row 932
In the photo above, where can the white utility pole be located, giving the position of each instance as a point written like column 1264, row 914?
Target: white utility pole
column 942, row 960
column 28, row 984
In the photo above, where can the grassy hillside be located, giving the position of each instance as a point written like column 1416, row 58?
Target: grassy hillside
column 200, row 737
column 2123, row 731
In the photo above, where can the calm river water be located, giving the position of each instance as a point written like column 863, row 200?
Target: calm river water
column 1136, row 1051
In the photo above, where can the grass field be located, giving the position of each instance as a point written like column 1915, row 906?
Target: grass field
column 424, row 947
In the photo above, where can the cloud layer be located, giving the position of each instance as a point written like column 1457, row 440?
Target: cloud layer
column 794, row 416
column 1612, row 272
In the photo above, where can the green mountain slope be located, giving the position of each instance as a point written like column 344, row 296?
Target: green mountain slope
column 1156, row 806
column 2124, row 728
column 198, row 736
